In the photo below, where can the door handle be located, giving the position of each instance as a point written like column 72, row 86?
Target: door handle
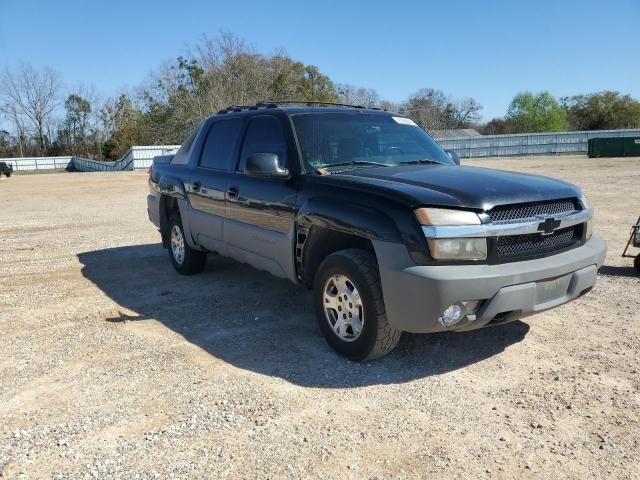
column 233, row 192
column 196, row 186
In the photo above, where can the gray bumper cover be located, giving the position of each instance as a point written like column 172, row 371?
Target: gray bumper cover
column 415, row 295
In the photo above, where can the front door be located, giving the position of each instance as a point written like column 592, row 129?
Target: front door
column 259, row 229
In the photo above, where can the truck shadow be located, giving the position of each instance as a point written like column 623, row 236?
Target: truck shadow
column 618, row 271
column 259, row 323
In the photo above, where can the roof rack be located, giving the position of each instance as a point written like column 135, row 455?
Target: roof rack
column 277, row 103
column 242, row 108
column 313, row 102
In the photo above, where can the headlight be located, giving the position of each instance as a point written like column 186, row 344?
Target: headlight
column 445, row 216
column 453, row 248
column 458, row 248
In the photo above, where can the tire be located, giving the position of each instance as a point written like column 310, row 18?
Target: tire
column 636, row 263
column 8, row 174
column 368, row 335
column 185, row 259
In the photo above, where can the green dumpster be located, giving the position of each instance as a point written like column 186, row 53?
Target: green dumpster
column 614, row 147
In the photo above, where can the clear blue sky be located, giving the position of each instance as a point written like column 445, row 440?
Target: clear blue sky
column 483, row 49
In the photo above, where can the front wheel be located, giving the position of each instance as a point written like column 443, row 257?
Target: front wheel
column 185, row 259
column 349, row 306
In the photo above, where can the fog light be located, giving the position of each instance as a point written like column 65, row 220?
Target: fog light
column 452, row 315
column 456, row 312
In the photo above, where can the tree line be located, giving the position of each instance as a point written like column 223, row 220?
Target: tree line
column 42, row 117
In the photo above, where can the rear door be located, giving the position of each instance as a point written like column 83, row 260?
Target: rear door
column 208, row 183
column 259, row 229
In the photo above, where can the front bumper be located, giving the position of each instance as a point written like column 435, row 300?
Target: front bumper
column 416, row 295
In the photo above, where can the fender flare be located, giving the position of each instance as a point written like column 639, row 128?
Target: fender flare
column 169, row 187
column 351, row 218
column 172, row 187
column 377, row 220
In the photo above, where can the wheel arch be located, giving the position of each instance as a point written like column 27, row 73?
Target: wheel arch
column 320, row 242
column 326, row 225
column 167, row 205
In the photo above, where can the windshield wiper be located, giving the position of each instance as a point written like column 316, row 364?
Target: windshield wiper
column 355, row 162
column 417, row 162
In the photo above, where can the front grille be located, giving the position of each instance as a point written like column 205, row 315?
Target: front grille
column 521, row 246
column 525, row 212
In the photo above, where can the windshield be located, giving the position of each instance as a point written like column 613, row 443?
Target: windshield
column 331, row 139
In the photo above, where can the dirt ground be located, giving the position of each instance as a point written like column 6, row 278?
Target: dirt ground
column 114, row 366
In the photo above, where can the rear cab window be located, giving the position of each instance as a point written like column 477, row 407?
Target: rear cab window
column 219, row 148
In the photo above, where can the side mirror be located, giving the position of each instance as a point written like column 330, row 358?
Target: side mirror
column 265, row 165
column 453, row 156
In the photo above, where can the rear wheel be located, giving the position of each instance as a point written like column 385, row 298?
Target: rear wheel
column 350, row 308
column 185, row 259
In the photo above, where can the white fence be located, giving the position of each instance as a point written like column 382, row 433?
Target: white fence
column 560, row 143
column 136, row 158
column 38, row 163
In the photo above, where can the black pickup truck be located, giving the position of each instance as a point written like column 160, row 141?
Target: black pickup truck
column 365, row 208
column 6, row 169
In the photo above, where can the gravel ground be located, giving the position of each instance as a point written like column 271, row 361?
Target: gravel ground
column 113, row 366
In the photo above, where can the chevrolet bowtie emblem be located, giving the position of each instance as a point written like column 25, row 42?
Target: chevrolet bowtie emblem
column 548, row 226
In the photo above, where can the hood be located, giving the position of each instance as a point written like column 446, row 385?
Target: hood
column 457, row 186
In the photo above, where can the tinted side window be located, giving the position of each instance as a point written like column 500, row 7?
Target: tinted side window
column 264, row 135
column 220, row 144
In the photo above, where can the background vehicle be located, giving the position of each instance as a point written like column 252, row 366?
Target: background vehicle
column 366, row 209
column 6, row 169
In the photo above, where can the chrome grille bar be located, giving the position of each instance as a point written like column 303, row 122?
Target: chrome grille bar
column 503, row 229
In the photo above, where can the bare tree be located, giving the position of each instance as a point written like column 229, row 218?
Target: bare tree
column 433, row 109
column 32, row 95
column 352, row 95
column 465, row 112
column 11, row 112
column 428, row 108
